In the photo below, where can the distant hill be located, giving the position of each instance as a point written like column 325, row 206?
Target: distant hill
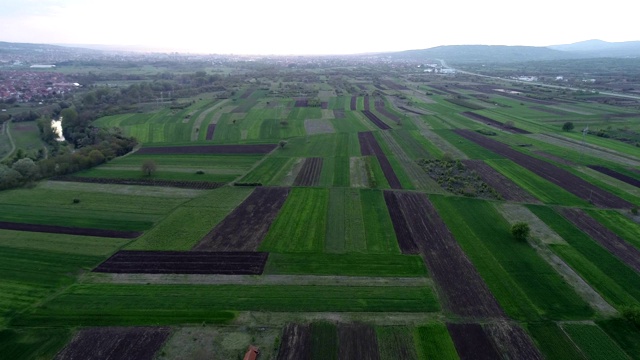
column 484, row 53
column 503, row 53
column 599, row 48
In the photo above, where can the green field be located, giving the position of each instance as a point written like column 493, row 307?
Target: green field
column 594, row 342
column 377, row 265
column 433, row 342
column 291, row 231
column 524, row 284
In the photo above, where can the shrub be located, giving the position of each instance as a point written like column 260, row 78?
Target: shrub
column 520, row 231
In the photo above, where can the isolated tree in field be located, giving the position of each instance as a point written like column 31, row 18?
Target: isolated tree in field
column 509, row 124
column 282, row 143
column 568, row 126
column 149, row 167
column 520, row 231
column 284, row 123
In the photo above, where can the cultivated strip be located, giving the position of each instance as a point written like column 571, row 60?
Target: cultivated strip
column 209, row 149
column 245, row 228
column 55, row 229
column 184, row 262
column 309, row 174
column 123, row 343
column 551, row 173
column 416, row 221
column 627, row 253
column 357, row 341
column 509, row 190
column 296, row 342
column 472, row 342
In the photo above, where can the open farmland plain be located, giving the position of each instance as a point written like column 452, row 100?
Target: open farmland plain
column 295, row 211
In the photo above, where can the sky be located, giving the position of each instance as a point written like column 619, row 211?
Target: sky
column 285, row 27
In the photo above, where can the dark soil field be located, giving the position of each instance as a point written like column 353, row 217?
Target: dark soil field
column 369, row 147
column 512, row 341
column 376, row 120
column 209, row 149
column 554, row 158
column 197, row 185
column 296, row 342
column 338, row 114
column 324, row 105
column 614, row 174
column 605, row 237
column 552, row 173
column 411, row 111
column 301, row 103
column 393, row 86
column 54, row 229
column 509, row 190
column 367, row 106
column 352, row 105
column 184, row 262
column 472, row 342
column 357, row 341
column 379, row 104
column 309, row 174
column 247, row 93
column 489, row 121
column 245, row 228
column 122, row 343
column 463, row 290
column 210, row 130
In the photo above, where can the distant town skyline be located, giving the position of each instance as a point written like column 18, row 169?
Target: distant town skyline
column 283, row 27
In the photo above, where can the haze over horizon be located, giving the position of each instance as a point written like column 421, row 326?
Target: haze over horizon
column 282, row 27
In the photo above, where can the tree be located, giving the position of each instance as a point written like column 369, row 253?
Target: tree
column 284, row 123
column 568, row 126
column 148, row 167
column 26, row 167
column 520, row 231
column 282, row 143
column 96, row 157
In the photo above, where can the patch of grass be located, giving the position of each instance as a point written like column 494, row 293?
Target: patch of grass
column 267, row 171
column 619, row 224
column 324, row 341
column 434, row 342
column 32, row 343
column 292, row 231
column 594, row 342
column 379, row 233
column 345, row 226
column 624, row 333
column 553, row 342
column 109, row 304
column 376, row 265
column 395, row 342
column 201, row 214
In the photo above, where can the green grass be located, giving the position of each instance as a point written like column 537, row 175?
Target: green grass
column 594, row 342
column 553, row 342
column 136, row 207
column 525, row 285
column 167, row 174
column 341, row 171
column 292, row 231
column 60, row 243
column 624, row 333
column 434, row 342
column 415, row 145
column 201, row 214
column 324, row 341
column 26, row 136
column 109, row 304
column 345, row 225
column 615, row 281
column 29, row 276
column 381, row 238
column 267, row 171
column 395, row 342
column 377, row 265
column 376, row 177
column 32, row 343
column 544, row 190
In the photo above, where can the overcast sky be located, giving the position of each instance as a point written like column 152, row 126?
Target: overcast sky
column 318, row 27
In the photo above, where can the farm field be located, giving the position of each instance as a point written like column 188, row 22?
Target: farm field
column 309, row 209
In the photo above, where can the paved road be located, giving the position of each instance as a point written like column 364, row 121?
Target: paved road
column 444, row 64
